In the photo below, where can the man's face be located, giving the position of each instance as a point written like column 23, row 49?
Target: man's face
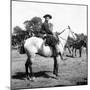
column 47, row 19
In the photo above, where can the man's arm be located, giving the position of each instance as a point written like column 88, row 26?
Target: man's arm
column 51, row 27
column 48, row 28
column 42, row 30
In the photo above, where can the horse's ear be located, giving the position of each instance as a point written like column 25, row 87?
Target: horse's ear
column 68, row 27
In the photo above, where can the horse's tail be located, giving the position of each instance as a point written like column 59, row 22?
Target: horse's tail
column 22, row 49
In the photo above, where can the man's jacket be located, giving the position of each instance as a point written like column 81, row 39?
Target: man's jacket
column 47, row 28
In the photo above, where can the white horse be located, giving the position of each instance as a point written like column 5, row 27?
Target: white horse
column 35, row 45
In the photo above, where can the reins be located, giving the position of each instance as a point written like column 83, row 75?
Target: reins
column 64, row 30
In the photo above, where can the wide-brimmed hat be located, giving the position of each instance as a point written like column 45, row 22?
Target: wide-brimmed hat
column 47, row 15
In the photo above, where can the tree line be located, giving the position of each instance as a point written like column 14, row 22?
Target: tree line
column 32, row 27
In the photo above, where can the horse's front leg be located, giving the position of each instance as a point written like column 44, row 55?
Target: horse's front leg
column 55, row 71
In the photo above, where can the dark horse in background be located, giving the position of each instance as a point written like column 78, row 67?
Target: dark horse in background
column 74, row 45
column 78, row 45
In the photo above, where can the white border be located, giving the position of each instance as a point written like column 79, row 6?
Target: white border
column 5, row 44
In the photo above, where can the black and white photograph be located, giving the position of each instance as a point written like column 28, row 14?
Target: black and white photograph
column 49, row 44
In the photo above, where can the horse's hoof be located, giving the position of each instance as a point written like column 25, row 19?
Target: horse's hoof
column 32, row 79
column 27, row 78
column 62, row 59
column 54, row 73
column 57, row 77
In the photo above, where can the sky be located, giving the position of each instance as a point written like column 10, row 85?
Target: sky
column 62, row 15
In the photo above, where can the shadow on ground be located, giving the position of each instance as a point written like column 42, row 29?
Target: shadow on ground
column 80, row 81
column 22, row 75
column 84, row 81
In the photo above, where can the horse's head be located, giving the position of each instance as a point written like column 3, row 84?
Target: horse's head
column 72, row 34
column 66, row 33
column 21, row 48
column 63, row 37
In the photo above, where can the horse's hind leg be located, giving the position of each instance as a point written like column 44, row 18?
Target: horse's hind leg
column 28, row 64
column 30, row 68
column 26, row 68
column 61, row 55
column 72, row 52
column 80, row 51
column 31, row 58
column 75, row 51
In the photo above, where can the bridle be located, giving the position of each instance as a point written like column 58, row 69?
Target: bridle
column 71, row 32
column 64, row 30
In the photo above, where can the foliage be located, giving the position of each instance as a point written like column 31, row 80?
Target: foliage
column 33, row 25
column 17, row 30
column 18, row 36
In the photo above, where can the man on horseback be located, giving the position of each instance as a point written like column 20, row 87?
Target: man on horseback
column 51, row 38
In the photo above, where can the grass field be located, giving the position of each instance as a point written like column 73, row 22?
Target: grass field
column 72, row 71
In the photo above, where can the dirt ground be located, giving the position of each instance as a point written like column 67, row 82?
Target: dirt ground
column 72, row 71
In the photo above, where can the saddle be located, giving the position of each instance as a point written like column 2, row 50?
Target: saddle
column 51, row 40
